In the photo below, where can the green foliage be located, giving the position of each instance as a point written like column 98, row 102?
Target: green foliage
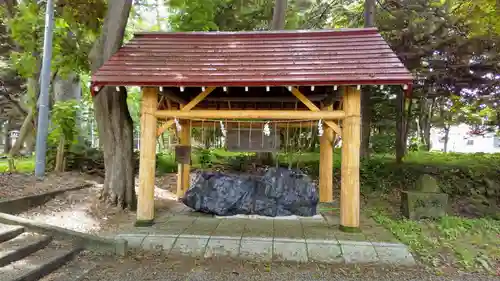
column 73, row 35
column 383, row 143
column 232, row 15
column 239, row 163
column 165, row 163
column 205, row 157
column 469, row 244
column 63, row 121
column 26, row 30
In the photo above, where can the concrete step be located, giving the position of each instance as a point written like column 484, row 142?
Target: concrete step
column 22, row 246
column 8, row 232
column 40, row 263
column 78, row 268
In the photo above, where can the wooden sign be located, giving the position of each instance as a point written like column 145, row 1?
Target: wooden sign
column 252, row 140
column 183, row 154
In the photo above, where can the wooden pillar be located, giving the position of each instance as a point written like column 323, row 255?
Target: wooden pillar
column 351, row 137
column 183, row 170
column 145, row 200
column 326, row 164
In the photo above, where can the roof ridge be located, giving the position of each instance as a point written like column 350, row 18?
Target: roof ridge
column 273, row 33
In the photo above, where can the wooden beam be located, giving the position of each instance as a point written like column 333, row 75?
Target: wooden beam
column 326, row 164
column 186, row 107
column 145, row 201
column 251, row 114
column 173, row 97
column 351, row 137
column 183, row 170
column 309, row 104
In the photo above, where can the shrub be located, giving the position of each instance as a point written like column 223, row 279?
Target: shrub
column 165, row 163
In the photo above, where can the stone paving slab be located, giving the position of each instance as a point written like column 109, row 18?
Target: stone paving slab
column 258, row 249
column 299, row 240
column 233, row 228
column 290, row 250
column 273, row 249
column 324, row 251
column 223, row 247
column 194, row 246
column 358, row 252
column 156, row 242
column 394, row 253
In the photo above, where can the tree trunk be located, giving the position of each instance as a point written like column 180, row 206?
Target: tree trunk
column 65, row 89
column 426, row 109
column 8, row 139
column 23, row 133
column 30, row 142
column 113, row 118
column 366, row 116
column 60, row 155
column 279, row 15
column 407, row 122
column 366, row 103
column 400, row 143
column 277, row 23
column 446, row 136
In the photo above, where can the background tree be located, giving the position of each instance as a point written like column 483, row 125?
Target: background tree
column 113, row 118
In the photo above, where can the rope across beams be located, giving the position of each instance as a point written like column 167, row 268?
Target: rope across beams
column 252, row 135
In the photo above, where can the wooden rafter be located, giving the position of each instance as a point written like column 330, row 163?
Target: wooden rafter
column 173, row 97
column 186, row 107
column 309, row 104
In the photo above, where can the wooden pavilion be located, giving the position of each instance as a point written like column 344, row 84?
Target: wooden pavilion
column 270, row 75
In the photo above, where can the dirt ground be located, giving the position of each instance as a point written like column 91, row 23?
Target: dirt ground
column 156, row 267
column 81, row 210
column 16, row 185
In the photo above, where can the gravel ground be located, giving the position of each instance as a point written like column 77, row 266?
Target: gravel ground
column 16, row 185
column 156, row 268
column 81, row 210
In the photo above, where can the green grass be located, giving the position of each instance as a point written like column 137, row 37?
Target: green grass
column 467, row 244
column 471, row 160
column 23, row 165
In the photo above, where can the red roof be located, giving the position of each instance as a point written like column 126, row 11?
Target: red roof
column 264, row 58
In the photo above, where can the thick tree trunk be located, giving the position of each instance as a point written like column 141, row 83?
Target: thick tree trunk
column 116, row 136
column 366, row 104
column 113, row 118
column 277, row 23
column 400, row 127
column 279, row 15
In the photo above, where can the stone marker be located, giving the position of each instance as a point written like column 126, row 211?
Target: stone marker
column 426, row 201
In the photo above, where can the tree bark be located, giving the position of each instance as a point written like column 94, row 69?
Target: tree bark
column 446, row 137
column 400, row 143
column 366, row 103
column 65, row 89
column 23, row 133
column 114, row 122
column 366, row 116
column 279, row 15
column 407, row 122
column 8, row 140
column 277, row 23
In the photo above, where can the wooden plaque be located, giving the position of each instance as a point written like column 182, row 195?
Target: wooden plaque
column 183, row 154
column 246, row 140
